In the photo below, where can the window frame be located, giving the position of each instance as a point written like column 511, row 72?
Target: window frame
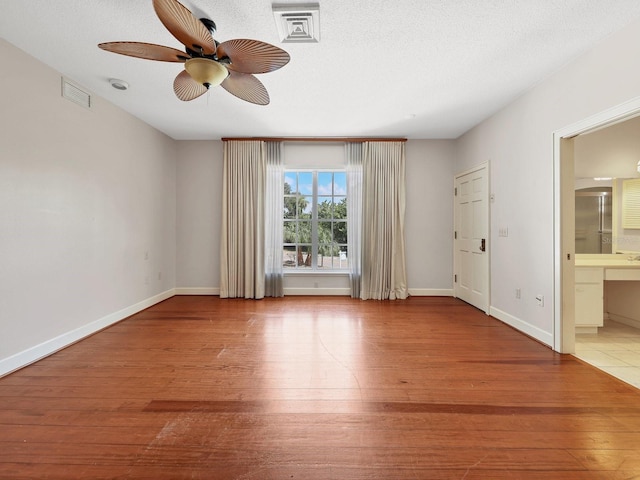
column 315, row 243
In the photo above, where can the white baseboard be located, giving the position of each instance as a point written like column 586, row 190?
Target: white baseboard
column 416, row 292
column 524, row 327
column 317, row 291
column 431, row 292
column 632, row 322
column 197, row 291
column 33, row 354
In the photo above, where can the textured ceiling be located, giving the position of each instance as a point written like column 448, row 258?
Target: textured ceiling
column 409, row 68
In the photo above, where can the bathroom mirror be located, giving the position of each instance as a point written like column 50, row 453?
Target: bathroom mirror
column 606, row 157
column 594, row 220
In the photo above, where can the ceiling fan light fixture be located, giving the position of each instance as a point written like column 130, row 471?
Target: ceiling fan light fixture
column 208, row 63
column 206, row 72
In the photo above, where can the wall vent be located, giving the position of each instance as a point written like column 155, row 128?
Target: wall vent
column 298, row 23
column 75, row 94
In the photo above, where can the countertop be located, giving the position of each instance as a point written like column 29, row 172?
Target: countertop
column 606, row 261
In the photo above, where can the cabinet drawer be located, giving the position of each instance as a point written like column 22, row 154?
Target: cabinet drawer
column 622, row 274
column 589, row 274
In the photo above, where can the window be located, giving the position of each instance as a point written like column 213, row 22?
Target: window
column 315, row 220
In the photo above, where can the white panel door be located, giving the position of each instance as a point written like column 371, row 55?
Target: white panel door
column 471, row 242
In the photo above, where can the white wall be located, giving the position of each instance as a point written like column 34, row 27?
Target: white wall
column 199, row 192
column 429, row 217
column 518, row 143
column 87, row 213
column 613, row 151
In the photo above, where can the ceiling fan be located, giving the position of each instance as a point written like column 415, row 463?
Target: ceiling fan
column 208, row 63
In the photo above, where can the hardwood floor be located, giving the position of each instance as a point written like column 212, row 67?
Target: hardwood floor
column 315, row 388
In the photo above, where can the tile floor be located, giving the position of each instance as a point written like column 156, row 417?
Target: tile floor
column 614, row 349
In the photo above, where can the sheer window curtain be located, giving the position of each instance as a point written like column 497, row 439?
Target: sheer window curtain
column 354, row 215
column 274, row 206
column 383, row 209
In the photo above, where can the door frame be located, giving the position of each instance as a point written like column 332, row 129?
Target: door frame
column 475, row 168
column 564, row 217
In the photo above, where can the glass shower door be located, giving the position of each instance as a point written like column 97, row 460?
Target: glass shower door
column 593, row 222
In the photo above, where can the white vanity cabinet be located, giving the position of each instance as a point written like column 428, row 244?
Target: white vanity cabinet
column 621, row 277
column 589, row 301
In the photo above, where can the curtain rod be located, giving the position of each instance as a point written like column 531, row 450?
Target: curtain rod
column 315, row 139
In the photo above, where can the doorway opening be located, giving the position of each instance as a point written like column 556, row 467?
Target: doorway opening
column 565, row 244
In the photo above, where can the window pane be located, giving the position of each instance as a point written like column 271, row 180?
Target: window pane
column 290, row 182
column 290, row 207
column 342, row 258
column 289, row 234
column 328, row 249
column 324, row 261
column 325, row 234
column 325, row 183
column 340, row 232
column 305, row 183
column 304, row 256
column 305, row 207
column 339, row 183
column 325, row 208
column 304, row 232
column 340, row 208
column 289, row 257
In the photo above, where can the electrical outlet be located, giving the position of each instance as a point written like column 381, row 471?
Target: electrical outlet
column 540, row 300
column 518, row 292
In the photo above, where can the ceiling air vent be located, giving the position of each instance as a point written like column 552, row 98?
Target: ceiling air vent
column 298, row 23
column 75, row 94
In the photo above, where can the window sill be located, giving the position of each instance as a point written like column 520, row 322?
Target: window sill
column 292, row 273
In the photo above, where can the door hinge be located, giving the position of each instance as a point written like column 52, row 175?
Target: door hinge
column 455, row 235
column 455, row 191
column 455, row 279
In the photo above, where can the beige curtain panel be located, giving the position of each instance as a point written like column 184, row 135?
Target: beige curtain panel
column 242, row 260
column 383, row 209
